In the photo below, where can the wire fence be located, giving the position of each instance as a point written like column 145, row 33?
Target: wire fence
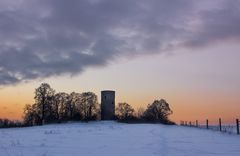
column 231, row 129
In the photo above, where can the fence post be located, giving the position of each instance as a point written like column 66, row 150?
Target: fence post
column 207, row 123
column 220, row 124
column 237, row 122
column 196, row 123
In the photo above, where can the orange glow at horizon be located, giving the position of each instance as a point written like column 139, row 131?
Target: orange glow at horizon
column 184, row 108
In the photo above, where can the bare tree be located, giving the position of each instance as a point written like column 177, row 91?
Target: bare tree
column 43, row 98
column 74, row 100
column 88, row 105
column 60, row 102
column 124, row 111
column 158, row 111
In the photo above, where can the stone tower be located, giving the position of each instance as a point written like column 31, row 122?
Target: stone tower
column 107, row 105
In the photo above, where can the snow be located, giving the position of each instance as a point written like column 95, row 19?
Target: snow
column 116, row 139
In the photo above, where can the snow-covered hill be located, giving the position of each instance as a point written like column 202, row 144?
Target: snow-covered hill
column 116, row 139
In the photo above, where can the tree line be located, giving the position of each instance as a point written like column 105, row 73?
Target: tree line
column 6, row 123
column 53, row 107
column 156, row 112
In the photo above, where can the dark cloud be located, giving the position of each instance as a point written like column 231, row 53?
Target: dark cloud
column 217, row 24
column 42, row 38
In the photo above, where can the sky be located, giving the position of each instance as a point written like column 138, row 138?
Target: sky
column 184, row 51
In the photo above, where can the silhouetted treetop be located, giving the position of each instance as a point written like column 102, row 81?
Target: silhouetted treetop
column 124, row 111
column 158, row 111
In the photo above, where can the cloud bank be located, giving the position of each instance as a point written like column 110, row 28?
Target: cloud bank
column 43, row 38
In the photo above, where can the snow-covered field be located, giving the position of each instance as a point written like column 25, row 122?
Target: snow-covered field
column 116, row 139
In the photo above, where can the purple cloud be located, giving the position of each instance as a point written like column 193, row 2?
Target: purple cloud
column 43, row 38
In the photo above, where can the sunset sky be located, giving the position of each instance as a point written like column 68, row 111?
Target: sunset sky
column 185, row 51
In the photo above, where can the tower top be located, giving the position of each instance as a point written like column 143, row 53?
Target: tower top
column 107, row 91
